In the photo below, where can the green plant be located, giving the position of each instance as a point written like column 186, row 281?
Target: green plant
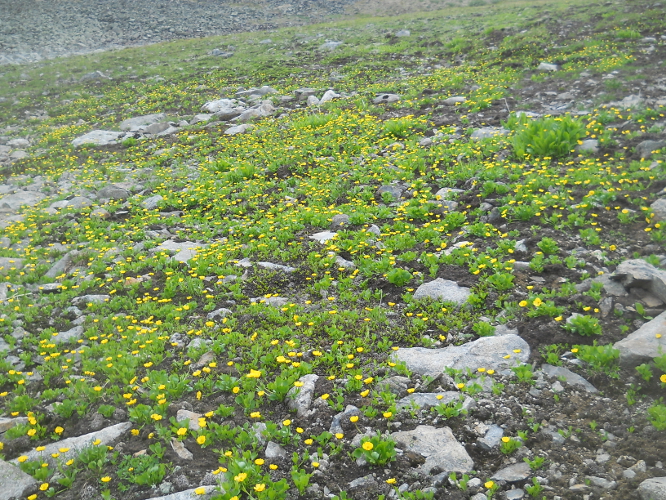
column 376, row 450
column 535, row 464
column 524, row 373
column 548, row 246
column 535, row 489
column 483, row 329
column 583, row 325
column 144, row 470
column 450, row 410
column 601, row 359
column 546, row 136
column 509, row 445
column 657, row 416
column 399, row 277
column 645, row 372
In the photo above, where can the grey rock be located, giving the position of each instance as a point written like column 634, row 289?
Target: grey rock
column 516, row 494
column 336, row 422
column 658, row 208
column 76, row 203
column 21, row 198
column 271, row 301
column 340, row 220
column 425, row 142
column 15, row 483
column 8, row 264
column 392, row 189
column 479, row 496
column 631, row 101
column 653, row 489
column 488, row 352
column 329, row 95
column 223, row 106
column 544, row 66
column 8, row 423
column 156, row 128
column 403, row 33
column 363, row 483
column 448, row 193
column 300, row 398
column 302, row 94
column 274, row 450
column 429, row 399
column 492, row 438
column 513, row 473
column 90, row 299
column 61, row 265
column 642, row 345
column 152, row 202
column 646, row 148
column 600, row 482
column 323, row 236
column 238, row 129
column 219, row 313
column 200, row 117
column 262, row 110
column 395, row 385
column 262, row 91
column 347, row 264
column 611, row 286
column 138, row 122
column 73, row 334
column 221, row 53
column 184, row 251
column 443, row 290
column 312, row 101
column 505, row 330
column 19, row 143
column 276, row 267
column 98, row 138
column 330, row 45
column 589, row 146
column 112, row 192
column 439, row 447
column 76, row 444
column 569, row 377
column 191, row 417
column 180, row 449
column 488, row 132
column 452, row 101
column 209, row 492
column 386, row 98
column 638, row 273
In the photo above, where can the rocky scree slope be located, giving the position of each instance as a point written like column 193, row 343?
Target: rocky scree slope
column 528, row 356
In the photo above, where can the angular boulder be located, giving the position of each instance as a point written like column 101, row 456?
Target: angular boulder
column 643, row 345
column 444, row 290
column 488, row 352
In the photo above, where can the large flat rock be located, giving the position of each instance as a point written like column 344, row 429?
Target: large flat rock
column 191, row 494
column 74, row 445
column 568, row 376
column 444, row 290
column 139, row 122
column 22, row 198
column 14, row 483
column 439, row 447
column 486, row 352
column 653, row 489
column 643, row 345
column 98, row 138
column 636, row 273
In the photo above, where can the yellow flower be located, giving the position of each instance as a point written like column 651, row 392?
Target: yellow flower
column 58, row 430
column 286, row 423
column 44, row 486
column 574, row 350
column 663, row 378
column 353, row 418
column 273, row 466
column 259, row 487
column 201, row 439
column 489, row 484
column 367, row 446
column 255, row 414
column 22, row 459
column 235, row 390
column 240, row 477
column 522, row 303
column 315, row 464
column 365, row 393
column 537, row 302
column 339, row 435
column 200, row 491
column 182, row 431
column 32, row 497
column 106, row 479
column 254, row 374
column 32, row 432
column 387, row 414
column 325, row 396
column 391, row 480
column 506, row 439
column 259, row 461
column 308, row 441
column 299, row 430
